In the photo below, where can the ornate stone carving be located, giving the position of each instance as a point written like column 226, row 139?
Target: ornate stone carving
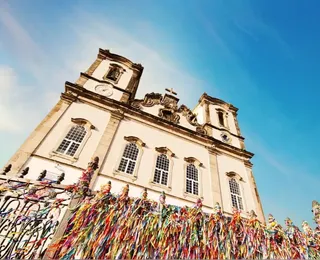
column 234, row 175
column 135, row 139
column 165, row 150
column 171, row 102
column 170, row 111
column 191, row 117
column 200, row 129
column 169, row 114
column 149, row 100
column 193, row 160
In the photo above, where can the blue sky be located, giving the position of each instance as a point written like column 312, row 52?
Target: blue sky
column 261, row 56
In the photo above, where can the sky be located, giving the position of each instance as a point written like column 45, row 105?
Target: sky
column 261, row 56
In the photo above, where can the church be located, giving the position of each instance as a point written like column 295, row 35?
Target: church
column 154, row 142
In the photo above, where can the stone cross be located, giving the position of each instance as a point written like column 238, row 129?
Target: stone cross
column 171, row 91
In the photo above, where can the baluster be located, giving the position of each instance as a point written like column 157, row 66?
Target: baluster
column 6, row 169
column 42, row 175
column 24, row 172
column 60, row 178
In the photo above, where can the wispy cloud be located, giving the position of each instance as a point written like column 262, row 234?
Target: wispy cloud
column 51, row 69
column 160, row 71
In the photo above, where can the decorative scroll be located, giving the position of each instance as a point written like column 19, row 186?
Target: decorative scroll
column 170, row 110
column 119, row 227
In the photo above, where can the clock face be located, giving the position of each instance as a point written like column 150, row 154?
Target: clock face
column 104, row 90
column 225, row 138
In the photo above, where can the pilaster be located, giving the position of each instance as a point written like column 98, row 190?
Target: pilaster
column 82, row 80
column 37, row 136
column 254, row 192
column 215, row 178
column 207, row 118
column 106, row 140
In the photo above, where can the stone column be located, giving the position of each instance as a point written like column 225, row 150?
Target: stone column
column 106, row 140
column 254, row 191
column 37, row 136
column 215, row 178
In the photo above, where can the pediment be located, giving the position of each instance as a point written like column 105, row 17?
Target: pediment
column 168, row 109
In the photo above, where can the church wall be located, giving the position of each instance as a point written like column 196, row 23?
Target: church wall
column 232, row 128
column 156, row 138
column 199, row 111
column 230, row 164
column 135, row 191
column 98, row 118
column 103, row 68
column 37, row 165
column 91, row 84
column 154, row 110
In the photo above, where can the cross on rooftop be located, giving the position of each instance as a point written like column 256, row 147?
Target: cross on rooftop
column 171, row 91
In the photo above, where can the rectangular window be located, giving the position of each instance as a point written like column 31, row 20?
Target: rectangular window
column 192, row 180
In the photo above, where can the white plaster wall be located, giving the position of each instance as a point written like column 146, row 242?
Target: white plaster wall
column 91, row 84
column 215, row 121
column 157, row 138
column 103, row 68
column 217, row 133
column 136, row 191
column 199, row 111
column 228, row 164
column 234, row 140
column 37, row 165
column 98, row 118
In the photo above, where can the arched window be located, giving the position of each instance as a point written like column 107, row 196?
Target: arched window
column 71, row 143
column 162, row 170
column 129, row 158
column 114, row 73
column 235, row 194
column 221, row 118
column 192, row 180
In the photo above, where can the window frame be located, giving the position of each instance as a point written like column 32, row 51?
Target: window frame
column 166, row 151
column 74, row 121
column 198, row 165
column 238, row 179
column 140, row 144
column 112, row 66
column 225, row 118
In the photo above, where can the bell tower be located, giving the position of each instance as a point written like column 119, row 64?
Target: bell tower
column 82, row 118
column 112, row 76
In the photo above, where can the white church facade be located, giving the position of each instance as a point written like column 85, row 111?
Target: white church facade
column 154, row 142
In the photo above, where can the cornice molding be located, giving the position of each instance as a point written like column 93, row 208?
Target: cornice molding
column 134, row 139
column 87, row 76
column 216, row 101
column 128, row 109
column 83, row 121
column 226, row 130
column 193, row 160
column 165, row 150
column 234, row 175
column 106, row 54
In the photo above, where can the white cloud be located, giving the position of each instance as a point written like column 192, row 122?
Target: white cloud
column 16, row 109
column 159, row 71
column 52, row 69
